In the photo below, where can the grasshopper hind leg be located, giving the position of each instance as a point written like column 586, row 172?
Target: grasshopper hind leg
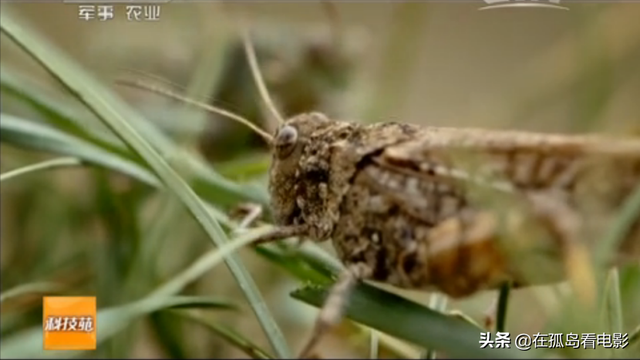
column 332, row 311
column 565, row 223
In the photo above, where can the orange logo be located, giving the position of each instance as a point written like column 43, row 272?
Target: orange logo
column 69, row 322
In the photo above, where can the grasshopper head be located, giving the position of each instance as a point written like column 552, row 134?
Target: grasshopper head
column 298, row 170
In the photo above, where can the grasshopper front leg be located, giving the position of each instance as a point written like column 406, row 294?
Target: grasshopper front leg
column 332, row 311
column 281, row 232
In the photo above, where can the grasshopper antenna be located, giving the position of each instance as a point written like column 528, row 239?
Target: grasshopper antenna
column 257, row 76
column 336, row 25
column 170, row 94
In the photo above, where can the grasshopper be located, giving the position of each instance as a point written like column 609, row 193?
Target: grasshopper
column 431, row 208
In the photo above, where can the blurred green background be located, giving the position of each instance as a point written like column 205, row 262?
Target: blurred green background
column 95, row 231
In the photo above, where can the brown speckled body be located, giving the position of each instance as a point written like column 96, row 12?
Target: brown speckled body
column 424, row 208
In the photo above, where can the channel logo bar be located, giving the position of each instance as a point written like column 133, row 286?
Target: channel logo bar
column 107, row 2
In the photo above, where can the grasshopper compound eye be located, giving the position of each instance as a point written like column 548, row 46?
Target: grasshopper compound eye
column 285, row 141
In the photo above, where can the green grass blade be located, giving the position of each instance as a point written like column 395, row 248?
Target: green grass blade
column 302, row 263
column 503, row 307
column 629, row 212
column 231, row 336
column 118, row 116
column 66, row 115
column 201, row 302
column 31, row 135
column 634, row 337
column 38, row 287
column 109, row 322
column 248, row 166
column 420, row 325
column 206, row 262
column 374, row 344
column 44, row 165
column 437, row 302
column 60, row 111
column 614, row 302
